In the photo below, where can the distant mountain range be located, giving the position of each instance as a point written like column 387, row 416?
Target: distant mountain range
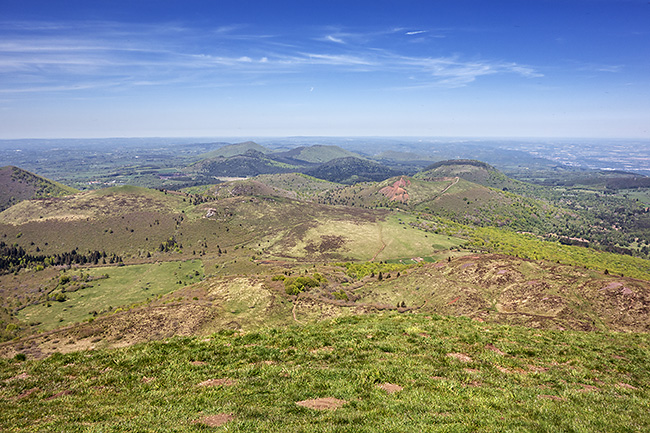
column 330, row 163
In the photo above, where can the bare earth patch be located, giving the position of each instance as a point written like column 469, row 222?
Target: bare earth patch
column 218, row 382
column 27, row 393
column 214, row 420
column 59, row 394
column 326, row 349
column 589, row 388
column 20, row 376
column 495, row 349
column 627, row 385
column 197, row 363
column 390, row 387
column 460, row 356
column 550, row 397
column 537, row 368
column 327, row 403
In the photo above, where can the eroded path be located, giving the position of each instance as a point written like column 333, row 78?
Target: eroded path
column 448, row 186
column 383, row 244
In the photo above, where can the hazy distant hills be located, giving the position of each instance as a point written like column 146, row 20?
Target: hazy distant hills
column 317, row 153
column 17, row 185
column 250, row 163
column 230, row 150
column 330, row 163
column 351, row 170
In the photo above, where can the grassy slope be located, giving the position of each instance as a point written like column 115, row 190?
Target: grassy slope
column 125, row 285
column 360, row 239
column 502, row 289
column 456, row 375
column 458, row 199
column 17, row 185
column 302, row 185
column 528, row 246
column 489, row 288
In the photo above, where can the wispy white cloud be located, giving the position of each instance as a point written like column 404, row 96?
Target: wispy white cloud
column 60, row 58
column 337, row 59
column 452, row 72
column 332, row 38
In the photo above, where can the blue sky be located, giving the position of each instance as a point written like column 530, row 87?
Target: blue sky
column 524, row 68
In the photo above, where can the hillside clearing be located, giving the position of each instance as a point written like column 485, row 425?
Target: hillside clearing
column 125, row 286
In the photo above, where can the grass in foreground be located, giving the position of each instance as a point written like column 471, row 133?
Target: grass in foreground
column 454, row 374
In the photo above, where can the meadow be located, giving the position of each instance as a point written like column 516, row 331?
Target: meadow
column 115, row 287
column 385, row 372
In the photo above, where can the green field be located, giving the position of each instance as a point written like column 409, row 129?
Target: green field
column 125, row 286
column 391, row 239
column 389, row 373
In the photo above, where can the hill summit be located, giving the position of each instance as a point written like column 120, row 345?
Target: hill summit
column 17, row 185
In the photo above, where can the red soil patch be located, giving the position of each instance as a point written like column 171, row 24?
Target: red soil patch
column 460, row 356
column 453, row 301
column 327, row 403
column 397, row 191
column 214, row 420
column 218, row 382
column 390, row 387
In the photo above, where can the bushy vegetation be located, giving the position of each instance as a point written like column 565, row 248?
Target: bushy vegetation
column 531, row 247
column 296, row 285
column 360, row 270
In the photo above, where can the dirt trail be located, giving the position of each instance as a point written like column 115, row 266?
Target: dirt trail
column 449, row 186
column 383, row 245
column 293, row 312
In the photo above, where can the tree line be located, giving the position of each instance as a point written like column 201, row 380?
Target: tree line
column 14, row 258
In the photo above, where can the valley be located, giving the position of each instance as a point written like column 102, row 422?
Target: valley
column 304, row 249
